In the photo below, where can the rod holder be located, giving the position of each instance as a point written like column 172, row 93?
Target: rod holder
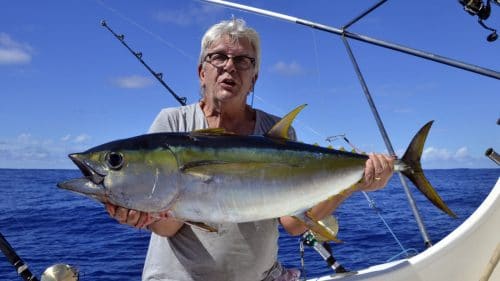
column 495, row 157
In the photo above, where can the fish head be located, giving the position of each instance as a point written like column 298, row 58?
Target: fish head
column 135, row 178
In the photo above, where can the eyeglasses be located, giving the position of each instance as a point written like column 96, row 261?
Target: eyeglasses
column 240, row 62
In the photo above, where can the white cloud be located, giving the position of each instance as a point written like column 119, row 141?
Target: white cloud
column 462, row 153
column 133, row 82
column 437, row 158
column 287, row 69
column 27, row 151
column 13, row 52
column 66, row 138
column 190, row 16
column 81, row 138
column 433, row 153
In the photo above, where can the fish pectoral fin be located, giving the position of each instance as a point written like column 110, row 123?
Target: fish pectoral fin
column 202, row 226
column 206, row 169
column 325, row 230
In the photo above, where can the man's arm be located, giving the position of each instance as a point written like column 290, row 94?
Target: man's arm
column 378, row 171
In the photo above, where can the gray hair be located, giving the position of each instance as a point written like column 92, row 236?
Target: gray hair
column 236, row 29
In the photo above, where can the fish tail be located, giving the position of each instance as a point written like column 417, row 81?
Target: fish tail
column 414, row 172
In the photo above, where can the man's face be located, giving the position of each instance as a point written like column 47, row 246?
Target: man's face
column 227, row 82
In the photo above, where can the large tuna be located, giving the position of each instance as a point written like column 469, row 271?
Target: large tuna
column 214, row 176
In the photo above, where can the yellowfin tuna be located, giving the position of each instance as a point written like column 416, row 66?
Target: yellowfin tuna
column 213, row 176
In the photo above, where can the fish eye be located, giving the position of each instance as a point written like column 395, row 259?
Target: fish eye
column 114, row 160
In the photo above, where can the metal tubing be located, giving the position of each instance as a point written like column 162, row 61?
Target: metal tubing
column 363, row 14
column 388, row 144
column 366, row 39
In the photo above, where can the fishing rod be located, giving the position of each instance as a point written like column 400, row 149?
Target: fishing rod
column 363, row 38
column 57, row 272
column 11, row 255
column 138, row 55
column 325, row 251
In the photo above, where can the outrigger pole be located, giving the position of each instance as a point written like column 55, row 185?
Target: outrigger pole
column 363, row 38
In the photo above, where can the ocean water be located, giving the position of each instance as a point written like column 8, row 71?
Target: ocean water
column 46, row 225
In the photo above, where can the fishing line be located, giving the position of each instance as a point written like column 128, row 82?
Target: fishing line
column 152, row 34
column 297, row 120
column 371, row 201
column 316, row 56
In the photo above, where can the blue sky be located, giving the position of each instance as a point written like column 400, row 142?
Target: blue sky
column 66, row 84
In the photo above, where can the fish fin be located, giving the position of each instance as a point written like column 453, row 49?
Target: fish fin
column 208, row 168
column 202, row 163
column 211, row 132
column 331, row 223
column 318, row 227
column 280, row 129
column 415, row 173
column 202, row 226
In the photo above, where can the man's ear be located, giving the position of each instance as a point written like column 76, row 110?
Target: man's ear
column 201, row 74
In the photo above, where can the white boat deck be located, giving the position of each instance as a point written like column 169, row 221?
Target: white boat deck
column 470, row 252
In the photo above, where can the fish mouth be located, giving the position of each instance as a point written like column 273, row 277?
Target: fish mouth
column 89, row 169
column 92, row 182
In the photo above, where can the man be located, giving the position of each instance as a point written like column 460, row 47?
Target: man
column 228, row 69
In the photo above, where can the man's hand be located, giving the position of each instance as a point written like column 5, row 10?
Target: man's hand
column 130, row 217
column 378, row 170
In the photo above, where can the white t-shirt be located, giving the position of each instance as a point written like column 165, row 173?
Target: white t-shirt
column 244, row 251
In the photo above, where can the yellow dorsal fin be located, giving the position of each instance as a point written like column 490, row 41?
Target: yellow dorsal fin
column 280, row 129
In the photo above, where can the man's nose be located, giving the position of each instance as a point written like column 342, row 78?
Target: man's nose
column 229, row 66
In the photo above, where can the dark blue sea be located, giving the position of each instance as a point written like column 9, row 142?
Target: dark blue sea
column 46, row 225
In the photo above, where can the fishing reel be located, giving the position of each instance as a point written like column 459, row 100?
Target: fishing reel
column 482, row 11
column 60, row 272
